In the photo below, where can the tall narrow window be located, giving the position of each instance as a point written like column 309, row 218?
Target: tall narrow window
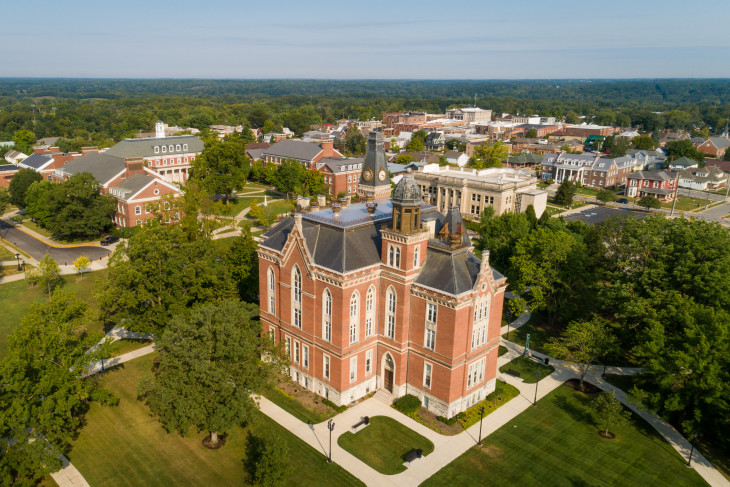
column 416, row 256
column 327, row 316
column 297, row 297
column 394, row 256
column 430, row 341
column 296, row 352
column 427, row 369
column 390, row 314
column 326, row 366
column 305, row 356
column 353, row 369
column 354, row 316
column 369, row 311
column 287, row 340
column 368, row 362
column 272, row 292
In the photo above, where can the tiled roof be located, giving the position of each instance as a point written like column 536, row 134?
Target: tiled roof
column 102, row 166
column 294, row 149
column 36, row 160
column 146, row 147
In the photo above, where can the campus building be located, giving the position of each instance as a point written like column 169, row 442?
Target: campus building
column 384, row 294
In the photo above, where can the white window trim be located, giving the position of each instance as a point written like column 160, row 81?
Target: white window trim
column 326, row 365
column 427, row 374
column 353, row 369
column 368, row 363
column 327, row 315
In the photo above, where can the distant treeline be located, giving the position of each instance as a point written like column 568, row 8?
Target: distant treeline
column 101, row 111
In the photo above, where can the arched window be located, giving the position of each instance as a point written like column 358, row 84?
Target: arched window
column 272, row 291
column 354, row 316
column 416, row 256
column 394, row 256
column 327, row 315
column 369, row 311
column 297, row 297
column 390, row 313
column 481, row 321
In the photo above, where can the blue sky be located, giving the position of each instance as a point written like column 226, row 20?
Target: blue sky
column 376, row 39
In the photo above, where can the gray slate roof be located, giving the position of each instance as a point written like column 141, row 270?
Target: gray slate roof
column 651, row 176
column 295, row 149
column 720, row 142
column 37, row 161
column 131, row 185
column 448, row 271
column 146, row 147
column 335, row 165
column 101, row 165
column 8, row 168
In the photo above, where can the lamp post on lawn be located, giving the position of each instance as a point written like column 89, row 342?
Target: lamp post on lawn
column 692, row 449
column 481, row 417
column 537, row 374
column 330, row 426
column 17, row 256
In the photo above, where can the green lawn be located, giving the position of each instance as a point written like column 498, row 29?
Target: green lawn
column 16, row 298
column 539, row 333
column 685, row 203
column 236, row 206
column 384, row 444
column 503, row 393
column 5, row 254
column 124, row 446
column 527, row 368
column 296, row 408
column 502, row 350
column 557, row 444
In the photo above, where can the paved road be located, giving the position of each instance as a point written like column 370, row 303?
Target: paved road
column 716, row 213
column 38, row 249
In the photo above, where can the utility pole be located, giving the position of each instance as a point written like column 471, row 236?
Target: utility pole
column 676, row 191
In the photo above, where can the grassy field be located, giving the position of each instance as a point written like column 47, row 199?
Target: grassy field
column 5, row 254
column 685, row 203
column 527, row 369
column 384, row 444
column 557, row 444
column 296, row 408
column 16, row 298
column 125, row 446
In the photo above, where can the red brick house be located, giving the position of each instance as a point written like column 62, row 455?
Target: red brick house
column 714, row 147
column 7, row 172
column 660, row 184
column 341, row 175
column 383, row 295
column 307, row 153
column 139, row 191
column 46, row 161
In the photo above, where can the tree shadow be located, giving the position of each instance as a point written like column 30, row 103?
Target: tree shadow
column 254, row 451
column 578, row 412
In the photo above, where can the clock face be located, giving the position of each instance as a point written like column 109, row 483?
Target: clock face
column 381, row 175
column 367, row 175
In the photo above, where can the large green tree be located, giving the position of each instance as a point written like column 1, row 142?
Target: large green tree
column 222, row 167
column 643, row 142
column 211, row 360
column 49, row 274
column 19, row 185
column 489, row 155
column 683, row 148
column 158, row 273
column 564, row 194
column 24, row 141
column 4, row 200
column 244, row 265
column 290, row 176
column 499, row 234
column 43, row 392
column 355, row 142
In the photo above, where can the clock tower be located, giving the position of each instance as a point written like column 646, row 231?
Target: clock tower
column 374, row 178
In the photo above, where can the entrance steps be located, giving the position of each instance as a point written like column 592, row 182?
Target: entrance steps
column 384, row 396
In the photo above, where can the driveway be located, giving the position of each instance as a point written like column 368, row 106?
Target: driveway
column 38, row 249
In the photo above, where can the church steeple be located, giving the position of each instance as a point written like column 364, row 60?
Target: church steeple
column 374, row 176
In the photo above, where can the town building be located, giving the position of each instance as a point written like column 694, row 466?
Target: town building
column 435, row 141
column 170, row 157
column 660, row 184
column 383, row 295
column 7, row 172
column 706, row 178
column 341, row 175
column 587, row 169
column 683, row 163
column 14, row 157
column 141, row 193
column 469, row 114
column 46, row 161
column 585, row 129
column 472, row 190
column 307, row 153
column 647, row 159
column 374, row 179
column 714, row 146
column 458, row 158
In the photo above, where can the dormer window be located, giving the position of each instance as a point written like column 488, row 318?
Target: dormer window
column 177, row 147
column 185, row 147
column 157, row 149
column 171, row 147
column 164, row 149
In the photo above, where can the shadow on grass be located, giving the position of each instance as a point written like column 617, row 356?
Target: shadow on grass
column 579, row 412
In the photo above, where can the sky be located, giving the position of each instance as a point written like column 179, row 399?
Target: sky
column 366, row 40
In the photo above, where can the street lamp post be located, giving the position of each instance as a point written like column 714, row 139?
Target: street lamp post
column 481, row 417
column 692, row 449
column 330, row 426
column 17, row 256
column 537, row 374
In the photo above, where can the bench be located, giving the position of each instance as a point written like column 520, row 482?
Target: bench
column 537, row 359
column 364, row 421
column 413, row 455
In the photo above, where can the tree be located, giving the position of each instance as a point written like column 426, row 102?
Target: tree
column 222, row 167
column 564, row 194
column 583, row 342
column 531, row 134
column 243, row 261
column 394, row 148
column 39, row 202
column 490, row 155
column 49, row 274
column 43, row 393
column 610, row 410
column 643, row 142
column 81, row 264
column 683, row 148
column 649, row 202
column 313, row 183
column 500, row 234
column 272, row 467
column 726, row 156
column 77, row 208
column 158, row 273
column 24, row 140
column 210, row 362
column 4, row 200
column 19, row 185
column 290, row 176
column 416, row 144
column 355, row 142
column 605, row 196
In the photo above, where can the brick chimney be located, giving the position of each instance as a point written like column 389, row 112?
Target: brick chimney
column 39, row 150
column 328, row 148
column 133, row 165
column 53, row 149
column 86, row 150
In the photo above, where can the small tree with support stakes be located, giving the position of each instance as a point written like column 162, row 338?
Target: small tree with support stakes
column 611, row 412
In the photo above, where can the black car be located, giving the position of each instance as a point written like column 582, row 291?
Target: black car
column 623, row 200
column 109, row 240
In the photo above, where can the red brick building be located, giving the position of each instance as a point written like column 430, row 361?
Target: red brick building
column 660, row 184
column 7, row 172
column 383, row 294
column 714, row 146
column 307, row 153
column 340, row 175
column 46, row 161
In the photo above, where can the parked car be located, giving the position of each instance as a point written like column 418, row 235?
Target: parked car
column 109, row 240
column 623, row 200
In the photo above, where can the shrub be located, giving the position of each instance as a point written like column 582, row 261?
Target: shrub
column 408, row 404
column 334, row 406
column 451, row 420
